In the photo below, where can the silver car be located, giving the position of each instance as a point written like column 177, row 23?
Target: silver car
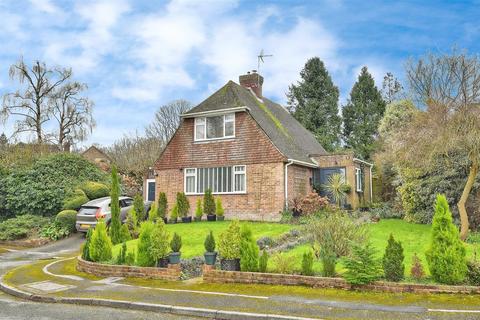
column 92, row 211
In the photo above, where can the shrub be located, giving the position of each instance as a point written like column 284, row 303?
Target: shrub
column 416, row 270
column 100, row 244
column 248, row 250
column 159, row 247
column 115, row 223
column 283, row 263
column 67, row 219
column 54, row 231
column 473, row 272
column 307, row 263
column 139, row 208
column 153, row 213
column 446, row 253
column 162, row 205
column 362, row 266
column 125, row 233
column 199, row 209
column 130, row 258
column 121, row 259
column 132, row 223
column 75, row 200
column 393, row 266
column 209, row 242
column 95, row 190
column 219, row 208
column 263, row 262
column 229, row 244
column 21, row 227
column 144, row 258
column 182, row 204
column 386, row 211
column 174, row 213
column 208, row 203
column 312, row 203
column 176, row 243
column 86, row 246
column 337, row 188
column 328, row 258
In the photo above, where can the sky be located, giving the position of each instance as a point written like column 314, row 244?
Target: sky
column 136, row 56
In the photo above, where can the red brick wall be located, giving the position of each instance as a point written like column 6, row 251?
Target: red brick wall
column 298, row 181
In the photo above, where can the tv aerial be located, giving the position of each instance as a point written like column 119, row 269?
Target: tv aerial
column 260, row 58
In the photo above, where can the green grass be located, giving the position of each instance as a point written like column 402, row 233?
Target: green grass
column 193, row 234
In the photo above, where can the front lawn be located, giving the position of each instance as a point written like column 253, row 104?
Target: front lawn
column 193, row 234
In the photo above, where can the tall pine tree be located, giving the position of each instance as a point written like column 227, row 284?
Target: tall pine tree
column 362, row 115
column 313, row 101
column 115, row 223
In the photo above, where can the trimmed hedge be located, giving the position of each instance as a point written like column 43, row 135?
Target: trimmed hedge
column 95, row 190
column 75, row 200
column 67, row 219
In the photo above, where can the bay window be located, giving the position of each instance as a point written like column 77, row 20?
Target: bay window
column 215, row 127
column 221, row 180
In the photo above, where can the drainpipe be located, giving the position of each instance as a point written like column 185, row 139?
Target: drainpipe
column 286, row 182
column 371, row 186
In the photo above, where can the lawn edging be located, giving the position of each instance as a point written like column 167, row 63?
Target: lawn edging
column 172, row 273
column 212, row 275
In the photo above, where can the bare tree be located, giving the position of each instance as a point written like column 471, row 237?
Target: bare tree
column 391, row 88
column 31, row 105
column 167, row 120
column 448, row 85
column 72, row 112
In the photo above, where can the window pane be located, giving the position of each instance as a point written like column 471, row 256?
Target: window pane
column 200, row 132
column 240, row 182
column 215, row 127
column 190, row 182
column 199, row 180
column 229, row 129
column 230, row 117
column 229, row 179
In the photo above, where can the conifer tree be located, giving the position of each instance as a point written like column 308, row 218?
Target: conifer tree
column 115, row 223
column 313, row 101
column 362, row 115
column 393, row 266
column 100, row 247
column 446, row 253
column 248, row 250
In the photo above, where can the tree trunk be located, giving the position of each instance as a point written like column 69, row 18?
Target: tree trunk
column 463, row 200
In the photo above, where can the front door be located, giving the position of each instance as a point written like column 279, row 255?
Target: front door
column 150, row 190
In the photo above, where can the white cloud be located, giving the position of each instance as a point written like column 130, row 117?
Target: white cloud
column 45, row 6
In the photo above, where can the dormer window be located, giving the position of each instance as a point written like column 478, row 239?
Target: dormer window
column 215, row 127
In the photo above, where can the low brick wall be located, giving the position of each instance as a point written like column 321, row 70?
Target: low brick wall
column 171, row 273
column 212, row 275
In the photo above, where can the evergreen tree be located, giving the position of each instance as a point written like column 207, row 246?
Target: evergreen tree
column 208, row 203
column 139, row 208
column 446, row 253
column 115, row 223
column 313, row 101
column 162, row 205
column 248, row 251
column 86, row 246
column 393, row 266
column 362, row 265
column 100, row 247
column 362, row 115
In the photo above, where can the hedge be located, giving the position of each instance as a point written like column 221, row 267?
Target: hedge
column 67, row 219
column 95, row 190
column 75, row 200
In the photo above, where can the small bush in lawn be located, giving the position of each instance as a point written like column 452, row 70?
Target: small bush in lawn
column 100, row 244
column 130, row 258
column 307, row 263
column 328, row 257
column 75, row 200
column 176, row 243
column 95, row 190
column 362, row 266
column 229, row 241
column 283, row 263
column 263, row 262
column 248, row 250
column 219, row 211
column 54, row 231
column 393, row 266
column 153, row 213
column 182, row 204
column 208, row 203
column 174, row 214
column 125, row 233
column 162, row 205
column 144, row 258
column 473, row 272
column 417, row 272
column 209, row 243
column 132, row 223
column 86, row 246
column 67, row 219
column 199, row 210
column 159, row 247
column 312, row 203
column 139, row 208
column 446, row 253
column 122, row 256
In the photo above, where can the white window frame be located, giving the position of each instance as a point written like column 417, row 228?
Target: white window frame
column 244, row 172
column 358, row 180
column 196, row 123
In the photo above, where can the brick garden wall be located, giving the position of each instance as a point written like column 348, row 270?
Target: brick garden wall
column 171, row 273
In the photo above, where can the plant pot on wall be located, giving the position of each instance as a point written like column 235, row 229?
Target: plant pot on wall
column 172, row 220
column 211, row 217
column 163, row 262
column 174, row 258
column 187, row 219
column 230, row 264
column 210, row 258
column 220, row 218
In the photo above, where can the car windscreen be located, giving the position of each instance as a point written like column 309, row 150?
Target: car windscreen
column 88, row 210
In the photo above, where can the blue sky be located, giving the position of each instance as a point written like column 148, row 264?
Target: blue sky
column 138, row 55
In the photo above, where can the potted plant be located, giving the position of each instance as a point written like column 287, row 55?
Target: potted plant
column 209, row 206
column 229, row 247
column 162, row 207
column 158, row 246
column 199, row 211
column 173, row 215
column 210, row 253
column 183, row 207
column 175, row 245
column 219, row 210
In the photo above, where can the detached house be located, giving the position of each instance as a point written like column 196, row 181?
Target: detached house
column 251, row 152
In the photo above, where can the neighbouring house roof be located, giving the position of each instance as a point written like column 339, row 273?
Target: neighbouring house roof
column 286, row 133
column 94, row 150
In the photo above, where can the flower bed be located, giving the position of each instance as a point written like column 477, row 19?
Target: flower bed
column 212, row 275
column 171, row 273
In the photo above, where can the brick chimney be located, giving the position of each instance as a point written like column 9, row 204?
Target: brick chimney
column 252, row 80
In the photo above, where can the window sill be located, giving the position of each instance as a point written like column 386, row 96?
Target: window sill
column 217, row 193
column 213, row 140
